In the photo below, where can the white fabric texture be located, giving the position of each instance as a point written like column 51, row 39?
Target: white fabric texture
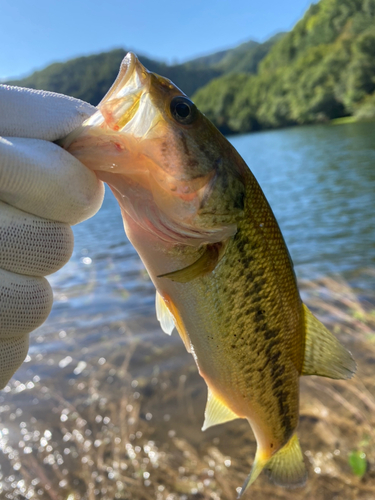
column 37, row 114
column 12, row 353
column 31, row 245
column 41, row 178
column 43, row 190
column 25, row 303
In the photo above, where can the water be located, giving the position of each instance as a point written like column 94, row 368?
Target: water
column 320, row 182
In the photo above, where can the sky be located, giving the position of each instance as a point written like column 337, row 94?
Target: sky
column 34, row 34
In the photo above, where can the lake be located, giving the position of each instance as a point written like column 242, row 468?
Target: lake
column 320, row 182
column 101, row 347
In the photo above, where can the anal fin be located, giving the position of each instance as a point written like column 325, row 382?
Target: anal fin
column 324, row 355
column 216, row 412
column 204, row 265
column 163, row 315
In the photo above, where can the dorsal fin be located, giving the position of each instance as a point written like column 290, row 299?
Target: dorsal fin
column 163, row 315
column 216, row 412
column 324, row 355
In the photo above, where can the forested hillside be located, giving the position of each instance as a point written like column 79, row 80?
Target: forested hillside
column 90, row 77
column 323, row 69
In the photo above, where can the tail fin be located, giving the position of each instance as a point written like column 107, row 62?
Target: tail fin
column 285, row 468
column 259, row 462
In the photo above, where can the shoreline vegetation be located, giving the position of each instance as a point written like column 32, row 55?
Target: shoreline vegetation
column 322, row 70
column 103, row 429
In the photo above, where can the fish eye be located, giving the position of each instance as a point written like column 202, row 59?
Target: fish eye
column 183, row 110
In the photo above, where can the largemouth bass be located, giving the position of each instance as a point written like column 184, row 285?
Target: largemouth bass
column 214, row 251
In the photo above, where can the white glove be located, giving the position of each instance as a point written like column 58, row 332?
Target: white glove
column 43, row 190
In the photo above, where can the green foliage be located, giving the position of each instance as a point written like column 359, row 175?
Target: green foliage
column 323, row 69
column 361, row 70
column 218, row 103
column 358, row 463
column 366, row 109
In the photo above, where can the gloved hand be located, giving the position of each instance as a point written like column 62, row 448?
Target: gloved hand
column 43, row 190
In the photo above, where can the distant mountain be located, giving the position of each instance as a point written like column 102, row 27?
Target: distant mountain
column 88, row 78
column 218, row 59
column 323, row 69
column 246, row 57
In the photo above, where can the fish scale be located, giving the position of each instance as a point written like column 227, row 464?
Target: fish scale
column 246, row 334
column 214, row 251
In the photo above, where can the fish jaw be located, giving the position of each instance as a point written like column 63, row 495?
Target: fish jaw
column 108, row 140
column 187, row 168
column 133, row 119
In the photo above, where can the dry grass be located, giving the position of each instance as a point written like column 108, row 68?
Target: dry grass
column 100, row 433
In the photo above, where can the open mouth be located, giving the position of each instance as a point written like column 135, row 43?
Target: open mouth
column 119, row 106
column 132, row 76
column 121, row 102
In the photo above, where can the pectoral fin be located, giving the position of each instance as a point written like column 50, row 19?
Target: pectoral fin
column 168, row 314
column 216, row 412
column 163, row 315
column 204, row 265
column 324, row 355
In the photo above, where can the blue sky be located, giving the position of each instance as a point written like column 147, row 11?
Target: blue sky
column 36, row 33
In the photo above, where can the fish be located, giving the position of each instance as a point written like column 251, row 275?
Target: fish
column 211, row 244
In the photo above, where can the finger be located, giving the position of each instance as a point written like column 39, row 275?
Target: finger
column 31, row 245
column 41, row 178
column 25, row 303
column 38, row 114
column 13, row 351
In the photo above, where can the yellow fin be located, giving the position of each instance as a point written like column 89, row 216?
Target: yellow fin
column 286, row 468
column 163, row 315
column 216, row 412
column 204, row 265
column 324, row 355
column 260, row 461
column 178, row 322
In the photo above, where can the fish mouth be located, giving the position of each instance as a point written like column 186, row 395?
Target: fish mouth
column 118, row 107
column 133, row 78
column 127, row 94
column 130, row 121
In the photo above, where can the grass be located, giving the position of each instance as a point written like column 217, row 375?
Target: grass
column 108, row 429
column 343, row 120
